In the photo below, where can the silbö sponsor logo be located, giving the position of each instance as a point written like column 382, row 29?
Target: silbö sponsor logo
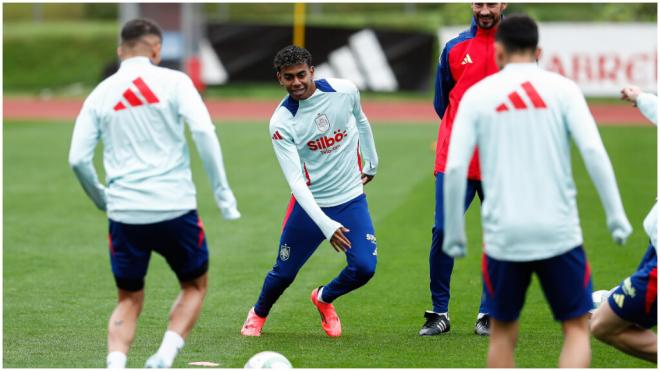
column 327, row 144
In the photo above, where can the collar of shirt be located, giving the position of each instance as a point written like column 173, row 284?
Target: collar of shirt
column 135, row 61
column 520, row 66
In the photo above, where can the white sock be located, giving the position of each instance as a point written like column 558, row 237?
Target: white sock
column 319, row 295
column 480, row 316
column 116, row 360
column 170, row 347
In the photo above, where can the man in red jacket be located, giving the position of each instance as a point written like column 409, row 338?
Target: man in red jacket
column 465, row 60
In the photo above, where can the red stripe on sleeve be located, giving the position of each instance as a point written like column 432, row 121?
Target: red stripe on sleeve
column 309, row 181
column 502, row 108
column 537, row 101
column 517, row 101
column 145, row 91
column 131, row 98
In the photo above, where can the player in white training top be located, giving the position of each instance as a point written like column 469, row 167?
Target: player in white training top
column 631, row 310
column 523, row 119
column 139, row 114
column 321, row 138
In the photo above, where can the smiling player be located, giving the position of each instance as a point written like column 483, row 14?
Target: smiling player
column 321, row 137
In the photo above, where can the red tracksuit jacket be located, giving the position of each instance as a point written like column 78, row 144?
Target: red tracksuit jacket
column 465, row 60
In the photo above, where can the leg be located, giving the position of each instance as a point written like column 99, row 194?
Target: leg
column 361, row 257
column 505, row 285
column 183, row 245
column 300, row 238
column 624, row 320
column 503, row 337
column 123, row 321
column 188, row 305
column 129, row 260
column 566, row 283
column 629, row 338
column 576, row 351
column 441, row 265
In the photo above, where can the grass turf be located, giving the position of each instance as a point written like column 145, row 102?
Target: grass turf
column 59, row 292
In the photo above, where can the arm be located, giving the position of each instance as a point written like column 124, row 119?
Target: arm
column 85, row 137
column 461, row 148
column 287, row 155
column 585, row 134
column 367, row 144
column 443, row 84
column 648, row 106
column 647, row 103
column 194, row 112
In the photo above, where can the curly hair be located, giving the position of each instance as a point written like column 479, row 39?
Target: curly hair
column 290, row 56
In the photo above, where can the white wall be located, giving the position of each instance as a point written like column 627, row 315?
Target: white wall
column 600, row 57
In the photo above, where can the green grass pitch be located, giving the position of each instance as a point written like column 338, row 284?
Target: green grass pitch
column 59, row 291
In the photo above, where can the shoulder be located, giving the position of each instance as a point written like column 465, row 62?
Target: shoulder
column 466, row 35
column 284, row 114
column 331, row 85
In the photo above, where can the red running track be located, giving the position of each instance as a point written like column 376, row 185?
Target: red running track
column 261, row 111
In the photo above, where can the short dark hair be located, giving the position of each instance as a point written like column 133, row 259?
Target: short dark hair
column 518, row 33
column 290, row 56
column 134, row 29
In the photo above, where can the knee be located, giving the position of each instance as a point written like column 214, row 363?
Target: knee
column 198, row 285
column 364, row 271
column 598, row 327
column 283, row 277
column 131, row 300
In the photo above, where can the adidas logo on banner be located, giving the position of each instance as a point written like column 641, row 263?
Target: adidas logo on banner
column 517, row 101
column 133, row 100
column 467, row 59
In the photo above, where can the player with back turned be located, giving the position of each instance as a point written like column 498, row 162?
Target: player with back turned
column 139, row 113
column 525, row 117
column 321, row 137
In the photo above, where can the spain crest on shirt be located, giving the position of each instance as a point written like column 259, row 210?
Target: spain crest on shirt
column 322, row 122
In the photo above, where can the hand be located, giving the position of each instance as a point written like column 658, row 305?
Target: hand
column 230, row 213
column 630, row 93
column 620, row 229
column 339, row 241
column 455, row 250
column 366, row 178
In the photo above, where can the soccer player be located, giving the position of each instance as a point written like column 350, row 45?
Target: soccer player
column 625, row 319
column 320, row 136
column 465, row 60
column 522, row 119
column 139, row 114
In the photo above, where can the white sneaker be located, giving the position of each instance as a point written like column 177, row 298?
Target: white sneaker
column 156, row 361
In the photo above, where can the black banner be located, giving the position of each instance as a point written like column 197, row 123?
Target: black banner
column 381, row 60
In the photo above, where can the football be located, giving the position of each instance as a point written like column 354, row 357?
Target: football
column 268, row 360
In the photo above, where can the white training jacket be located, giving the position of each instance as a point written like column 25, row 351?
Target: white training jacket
column 139, row 114
column 648, row 105
column 319, row 142
column 522, row 119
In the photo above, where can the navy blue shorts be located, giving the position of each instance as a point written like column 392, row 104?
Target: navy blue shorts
column 636, row 298
column 565, row 279
column 181, row 241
